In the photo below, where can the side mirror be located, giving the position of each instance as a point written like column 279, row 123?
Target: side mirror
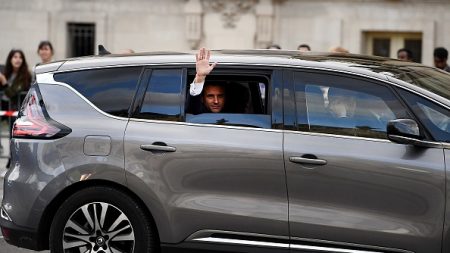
column 404, row 127
column 406, row 131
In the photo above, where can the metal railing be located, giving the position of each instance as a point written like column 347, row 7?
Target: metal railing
column 8, row 113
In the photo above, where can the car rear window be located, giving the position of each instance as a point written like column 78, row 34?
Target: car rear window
column 111, row 90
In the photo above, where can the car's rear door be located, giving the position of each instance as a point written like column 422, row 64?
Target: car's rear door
column 206, row 184
column 350, row 189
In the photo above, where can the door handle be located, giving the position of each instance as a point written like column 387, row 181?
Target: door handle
column 158, row 146
column 304, row 160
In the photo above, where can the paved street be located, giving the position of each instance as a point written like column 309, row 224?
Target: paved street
column 5, row 247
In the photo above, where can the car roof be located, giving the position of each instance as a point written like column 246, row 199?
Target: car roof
column 339, row 61
column 372, row 66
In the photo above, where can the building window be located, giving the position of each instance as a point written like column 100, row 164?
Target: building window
column 387, row 43
column 381, row 47
column 81, row 39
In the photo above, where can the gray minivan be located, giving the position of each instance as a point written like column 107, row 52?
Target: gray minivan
column 313, row 153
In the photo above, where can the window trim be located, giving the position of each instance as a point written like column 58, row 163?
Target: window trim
column 47, row 78
column 427, row 133
column 273, row 77
column 154, row 121
column 50, row 78
column 144, row 84
column 375, row 81
column 241, row 71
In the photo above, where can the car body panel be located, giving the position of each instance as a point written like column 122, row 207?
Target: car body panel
column 220, row 178
column 230, row 188
column 370, row 192
column 446, row 232
column 41, row 169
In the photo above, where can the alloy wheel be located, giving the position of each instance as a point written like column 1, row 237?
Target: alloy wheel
column 98, row 227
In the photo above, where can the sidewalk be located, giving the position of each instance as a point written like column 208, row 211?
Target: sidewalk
column 5, row 144
column 3, row 156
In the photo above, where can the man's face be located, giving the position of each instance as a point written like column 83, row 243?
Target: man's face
column 303, row 49
column 440, row 63
column 214, row 98
column 403, row 56
column 45, row 53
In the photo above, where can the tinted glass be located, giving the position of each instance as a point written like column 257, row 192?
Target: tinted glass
column 163, row 98
column 111, row 90
column 431, row 79
column 345, row 106
column 435, row 118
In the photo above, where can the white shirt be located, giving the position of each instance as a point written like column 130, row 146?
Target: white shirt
column 196, row 88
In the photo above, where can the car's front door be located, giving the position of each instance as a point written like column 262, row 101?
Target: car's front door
column 436, row 118
column 350, row 189
column 206, row 184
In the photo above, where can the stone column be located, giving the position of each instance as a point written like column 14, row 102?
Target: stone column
column 193, row 11
column 264, row 24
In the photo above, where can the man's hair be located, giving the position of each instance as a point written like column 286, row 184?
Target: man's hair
column 440, row 53
column 408, row 52
column 339, row 49
column 44, row 43
column 274, row 46
column 304, row 45
column 215, row 83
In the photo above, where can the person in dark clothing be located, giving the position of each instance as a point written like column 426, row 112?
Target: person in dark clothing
column 440, row 58
column 404, row 54
column 304, row 48
column 15, row 79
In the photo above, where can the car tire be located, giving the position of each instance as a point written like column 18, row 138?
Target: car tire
column 101, row 219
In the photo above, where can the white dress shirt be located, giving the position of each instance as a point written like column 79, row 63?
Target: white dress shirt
column 196, row 88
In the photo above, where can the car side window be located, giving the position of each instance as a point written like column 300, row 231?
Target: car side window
column 344, row 106
column 111, row 90
column 230, row 99
column 162, row 98
column 434, row 117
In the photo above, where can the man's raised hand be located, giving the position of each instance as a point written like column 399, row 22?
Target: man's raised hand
column 202, row 65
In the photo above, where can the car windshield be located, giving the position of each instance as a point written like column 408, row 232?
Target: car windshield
column 428, row 78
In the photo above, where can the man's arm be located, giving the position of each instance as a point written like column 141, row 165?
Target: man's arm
column 197, row 86
column 203, row 68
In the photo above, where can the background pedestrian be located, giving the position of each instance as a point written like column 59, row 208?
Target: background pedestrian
column 45, row 51
column 15, row 79
column 304, row 48
column 440, row 58
column 404, row 54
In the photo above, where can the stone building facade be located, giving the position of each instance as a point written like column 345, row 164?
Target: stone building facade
column 362, row 26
